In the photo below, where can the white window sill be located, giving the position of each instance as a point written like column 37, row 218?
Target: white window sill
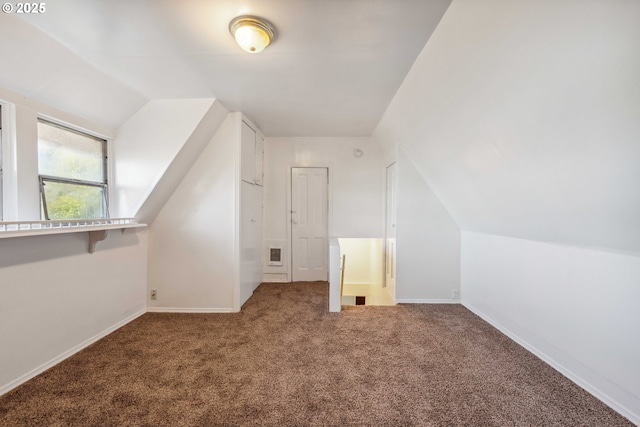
column 96, row 228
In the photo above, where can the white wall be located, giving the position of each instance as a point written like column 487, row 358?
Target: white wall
column 23, row 177
column 523, row 118
column 182, row 162
column 364, row 261
column 193, row 242
column 428, row 241
column 355, row 192
column 575, row 308
column 56, row 298
column 146, row 145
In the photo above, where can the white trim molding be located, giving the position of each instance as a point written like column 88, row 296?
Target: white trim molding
column 427, row 301
column 189, row 310
column 575, row 373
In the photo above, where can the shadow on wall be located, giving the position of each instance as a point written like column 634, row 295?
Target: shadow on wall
column 33, row 249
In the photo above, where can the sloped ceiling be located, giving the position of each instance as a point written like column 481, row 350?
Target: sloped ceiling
column 524, row 118
column 331, row 71
column 36, row 66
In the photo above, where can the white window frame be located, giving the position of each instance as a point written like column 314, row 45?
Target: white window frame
column 43, row 179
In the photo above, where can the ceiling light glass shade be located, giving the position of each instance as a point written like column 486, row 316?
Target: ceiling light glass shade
column 251, row 33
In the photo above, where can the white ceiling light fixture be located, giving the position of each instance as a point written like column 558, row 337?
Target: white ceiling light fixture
column 252, row 34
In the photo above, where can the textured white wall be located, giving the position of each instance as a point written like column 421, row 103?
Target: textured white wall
column 193, row 241
column 576, row 308
column 55, row 297
column 355, row 191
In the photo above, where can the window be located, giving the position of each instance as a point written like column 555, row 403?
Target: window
column 72, row 168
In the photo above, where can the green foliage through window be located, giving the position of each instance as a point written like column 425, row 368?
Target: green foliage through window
column 72, row 168
column 73, row 201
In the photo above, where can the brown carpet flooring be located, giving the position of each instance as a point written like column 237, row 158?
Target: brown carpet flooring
column 285, row 361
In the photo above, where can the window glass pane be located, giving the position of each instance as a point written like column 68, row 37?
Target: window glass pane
column 74, row 201
column 67, row 154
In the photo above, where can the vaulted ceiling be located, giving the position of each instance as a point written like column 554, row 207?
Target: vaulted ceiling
column 332, row 70
column 521, row 116
column 524, row 119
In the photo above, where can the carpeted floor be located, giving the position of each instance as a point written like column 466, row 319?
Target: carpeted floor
column 285, row 361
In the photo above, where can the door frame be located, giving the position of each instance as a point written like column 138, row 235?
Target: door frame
column 328, row 166
column 385, row 230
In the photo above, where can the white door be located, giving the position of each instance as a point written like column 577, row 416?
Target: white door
column 309, row 208
column 391, row 201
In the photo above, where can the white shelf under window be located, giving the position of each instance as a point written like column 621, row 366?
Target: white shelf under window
column 97, row 229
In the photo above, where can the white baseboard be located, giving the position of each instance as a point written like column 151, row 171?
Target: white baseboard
column 275, row 278
column 427, row 301
column 564, row 370
column 51, row 363
column 189, row 310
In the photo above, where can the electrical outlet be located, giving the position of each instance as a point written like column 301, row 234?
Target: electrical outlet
column 455, row 294
column 154, row 294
